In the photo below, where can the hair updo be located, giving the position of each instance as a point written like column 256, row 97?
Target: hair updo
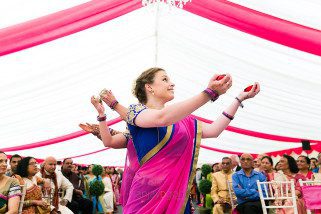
column 147, row 77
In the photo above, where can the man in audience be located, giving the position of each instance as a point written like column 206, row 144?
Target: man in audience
column 257, row 163
column 14, row 160
column 235, row 163
column 78, row 203
column 313, row 163
column 318, row 169
column 58, row 182
column 219, row 193
column 245, row 187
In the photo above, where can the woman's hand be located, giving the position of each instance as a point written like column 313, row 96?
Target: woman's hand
column 220, row 86
column 107, row 96
column 250, row 94
column 98, row 105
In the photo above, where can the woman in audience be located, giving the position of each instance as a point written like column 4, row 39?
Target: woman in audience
column 289, row 171
column 98, row 203
column 109, row 194
column 267, row 166
column 115, row 180
column 33, row 203
column 303, row 163
column 10, row 191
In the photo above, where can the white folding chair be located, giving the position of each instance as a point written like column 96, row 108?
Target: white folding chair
column 22, row 199
column 231, row 194
column 310, row 183
column 277, row 190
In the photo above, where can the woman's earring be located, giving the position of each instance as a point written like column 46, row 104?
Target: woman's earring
column 152, row 92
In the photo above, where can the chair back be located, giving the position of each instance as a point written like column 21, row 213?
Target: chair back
column 231, row 194
column 22, row 199
column 274, row 193
column 311, row 193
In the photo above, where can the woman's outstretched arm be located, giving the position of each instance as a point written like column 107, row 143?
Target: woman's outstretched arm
column 219, row 125
column 172, row 113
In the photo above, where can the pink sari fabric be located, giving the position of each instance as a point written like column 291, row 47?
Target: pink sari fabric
column 308, row 176
column 162, row 184
column 311, row 196
column 131, row 167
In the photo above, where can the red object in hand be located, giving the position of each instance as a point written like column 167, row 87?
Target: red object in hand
column 249, row 88
column 220, row 77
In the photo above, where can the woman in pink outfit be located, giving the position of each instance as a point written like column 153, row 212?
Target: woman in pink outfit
column 164, row 140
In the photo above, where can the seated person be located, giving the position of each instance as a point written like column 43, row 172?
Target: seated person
column 219, row 192
column 33, row 201
column 78, row 202
column 10, row 191
column 245, row 187
column 57, row 182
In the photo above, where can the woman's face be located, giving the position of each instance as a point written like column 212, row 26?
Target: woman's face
column 32, row 167
column 266, row 165
column 112, row 170
column 90, row 168
column 302, row 163
column 313, row 164
column 283, row 164
column 162, row 87
column 3, row 164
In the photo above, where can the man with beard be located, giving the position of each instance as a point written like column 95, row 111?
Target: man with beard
column 78, row 203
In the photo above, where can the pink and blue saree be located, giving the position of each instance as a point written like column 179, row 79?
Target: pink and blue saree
column 160, row 166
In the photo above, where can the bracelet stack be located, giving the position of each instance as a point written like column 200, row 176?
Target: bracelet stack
column 103, row 118
column 227, row 115
column 113, row 104
column 211, row 93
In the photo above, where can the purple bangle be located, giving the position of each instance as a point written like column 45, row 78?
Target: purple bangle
column 113, row 104
column 212, row 94
column 100, row 119
column 227, row 115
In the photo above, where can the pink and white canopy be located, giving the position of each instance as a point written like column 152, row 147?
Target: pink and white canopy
column 56, row 54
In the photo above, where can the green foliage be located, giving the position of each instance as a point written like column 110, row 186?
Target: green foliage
column 97, row 188
column 205, row 187
column 97, row 170
column 206, row 169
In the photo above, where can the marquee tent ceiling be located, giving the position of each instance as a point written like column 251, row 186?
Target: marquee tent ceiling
column 45, row 89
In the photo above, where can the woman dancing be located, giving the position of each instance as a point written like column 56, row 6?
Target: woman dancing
column 165, row 139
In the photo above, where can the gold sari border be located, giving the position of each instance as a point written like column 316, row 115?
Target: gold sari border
column 159, row 146
column 193, row 172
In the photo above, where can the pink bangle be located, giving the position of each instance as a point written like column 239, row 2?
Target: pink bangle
column 113, row 104
column 103, row 118
column 227, row 115
column 212, row 94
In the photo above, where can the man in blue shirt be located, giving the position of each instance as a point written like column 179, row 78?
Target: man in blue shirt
column 245, row 187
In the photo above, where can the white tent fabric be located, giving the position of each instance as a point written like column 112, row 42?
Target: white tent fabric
column 45, row 90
